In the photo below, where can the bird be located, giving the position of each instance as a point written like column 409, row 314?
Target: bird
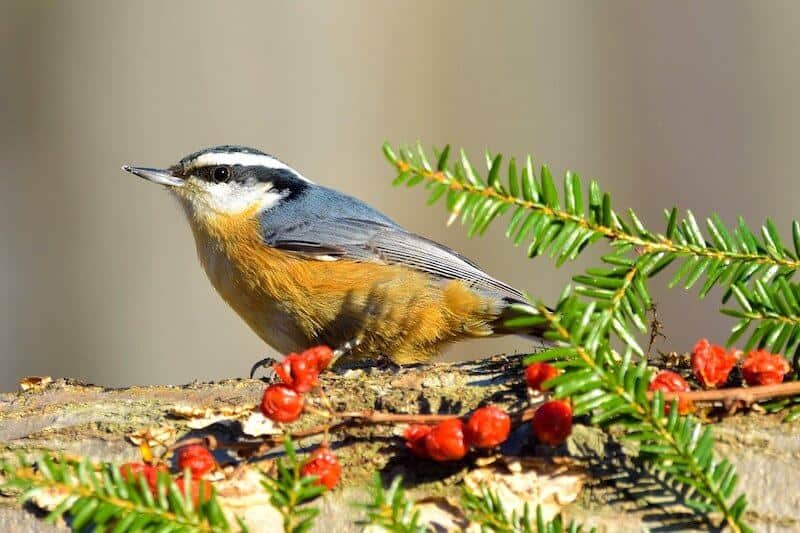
column 303, row 264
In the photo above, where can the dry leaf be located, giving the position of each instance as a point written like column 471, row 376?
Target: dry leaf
column 202, row 417
column 257, row 425
column 154, row 436
column 441, row 514
column 49, row 499
column 550, row 483
column 245, row 497
column 34, row 383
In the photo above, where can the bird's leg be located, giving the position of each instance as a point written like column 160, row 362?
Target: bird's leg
column 267, row 363
column 344, row 349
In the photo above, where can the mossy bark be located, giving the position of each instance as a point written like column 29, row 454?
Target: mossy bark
column 95, row 421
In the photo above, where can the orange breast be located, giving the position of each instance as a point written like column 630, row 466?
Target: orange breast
column 293, row 302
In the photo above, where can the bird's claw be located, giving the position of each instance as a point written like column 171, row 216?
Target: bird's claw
column 267, row 363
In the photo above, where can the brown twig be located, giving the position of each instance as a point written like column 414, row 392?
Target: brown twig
column 378, row 417
column 746, row 395
column 656, row 328
column 347, row 419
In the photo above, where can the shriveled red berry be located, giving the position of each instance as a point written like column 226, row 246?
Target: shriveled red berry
column 281, row 403
column 298, row 371
column 711, row 364
column 446, row 441
column 538, row 373
column 197, row 459
column 321, row 356
column 763, row 368
column 552, row 422
column 669, row 381
column 487, row 427
column 323, row 464
column 132, row 471
column 195, row 489
column 415, row 435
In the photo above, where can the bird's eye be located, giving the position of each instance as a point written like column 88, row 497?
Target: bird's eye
column 222, row 174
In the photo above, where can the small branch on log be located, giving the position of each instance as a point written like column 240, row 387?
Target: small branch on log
column 746, row 395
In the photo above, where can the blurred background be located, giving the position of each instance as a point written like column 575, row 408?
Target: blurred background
column 666, row 103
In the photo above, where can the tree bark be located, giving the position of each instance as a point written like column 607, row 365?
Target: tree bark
column 89, row 420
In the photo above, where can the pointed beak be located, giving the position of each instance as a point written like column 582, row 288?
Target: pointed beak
column 156, row 175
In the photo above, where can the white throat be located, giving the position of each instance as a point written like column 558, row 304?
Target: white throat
column 229, row 199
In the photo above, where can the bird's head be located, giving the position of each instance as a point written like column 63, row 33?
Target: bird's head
column 227, row 180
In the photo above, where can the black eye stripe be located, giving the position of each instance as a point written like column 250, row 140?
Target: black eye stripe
column 214, row 173
column 281, row 179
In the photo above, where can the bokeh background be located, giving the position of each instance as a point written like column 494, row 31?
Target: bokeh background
column 685, row 103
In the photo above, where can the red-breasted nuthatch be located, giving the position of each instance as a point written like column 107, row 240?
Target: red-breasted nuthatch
column 303, row 264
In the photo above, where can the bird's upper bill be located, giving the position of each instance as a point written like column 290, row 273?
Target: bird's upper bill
column 156, row 175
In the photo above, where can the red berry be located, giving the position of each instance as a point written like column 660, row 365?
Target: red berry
column 538, row 373
column 298, row 372
column 711, row 364
column 488, row 427
column 323, row 464
column 415, row 439
column 446, row 441
column 194, row 489
column 668, row 381
column 552, row 422
column 321, row 356
column 132, row 471
column 196, row 458
column 763, row 368
column 281, row 403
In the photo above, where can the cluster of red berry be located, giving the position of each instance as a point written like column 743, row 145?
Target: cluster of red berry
column 194, row 457
column 283, row 402
column 552, row 422
column 712, row 365
column 450, row 439
column 487, row 427
column 299, row 372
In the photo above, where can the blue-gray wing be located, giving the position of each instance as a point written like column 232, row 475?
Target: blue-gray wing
column 332, row 237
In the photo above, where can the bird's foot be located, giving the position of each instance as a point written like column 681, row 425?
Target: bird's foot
column 384, row 362
column 344, row 349
column 267, row 363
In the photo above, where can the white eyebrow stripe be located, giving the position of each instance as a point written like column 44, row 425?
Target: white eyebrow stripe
column 244, row 159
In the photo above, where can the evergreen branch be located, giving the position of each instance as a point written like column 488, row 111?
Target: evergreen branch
column 391, row 510
column 103, row 498
column 775, row 307
column 487, row 510
column 727, row 257
column 290, row 490
column 620, row 296
column 677, row 445
column 597, row 379
column 617, row 296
